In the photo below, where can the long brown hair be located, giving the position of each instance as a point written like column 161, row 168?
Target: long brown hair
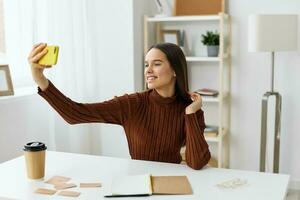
column 178, row 63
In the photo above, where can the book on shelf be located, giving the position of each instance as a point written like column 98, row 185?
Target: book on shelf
column 211, row 131
column 146, row 185
column 207, row 92
column 211, row 134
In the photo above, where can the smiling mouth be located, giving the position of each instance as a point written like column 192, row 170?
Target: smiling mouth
column 151, row 78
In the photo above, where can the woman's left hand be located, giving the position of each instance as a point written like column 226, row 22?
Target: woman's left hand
column 195, row 105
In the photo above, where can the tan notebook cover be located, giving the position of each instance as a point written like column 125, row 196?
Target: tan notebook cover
column 171, row 185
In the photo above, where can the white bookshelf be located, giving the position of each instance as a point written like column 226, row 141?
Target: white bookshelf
column 220, row 143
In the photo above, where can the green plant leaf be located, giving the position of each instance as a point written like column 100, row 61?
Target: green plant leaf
column 210, row 38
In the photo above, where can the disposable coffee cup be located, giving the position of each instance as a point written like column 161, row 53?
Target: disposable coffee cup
column 35, row 153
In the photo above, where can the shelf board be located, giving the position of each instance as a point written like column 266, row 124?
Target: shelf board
column 184, row 18
column 205, row 58
column 212, row 139
column 202, row 59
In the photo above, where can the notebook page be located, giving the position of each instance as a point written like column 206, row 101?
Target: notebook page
column 132, row 185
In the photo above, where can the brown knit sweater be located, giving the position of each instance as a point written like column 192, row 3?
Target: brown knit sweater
column 156, row 127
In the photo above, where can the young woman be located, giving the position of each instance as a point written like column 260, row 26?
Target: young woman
column 157, row 122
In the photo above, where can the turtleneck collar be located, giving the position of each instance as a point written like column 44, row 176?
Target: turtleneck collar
column 160, row 99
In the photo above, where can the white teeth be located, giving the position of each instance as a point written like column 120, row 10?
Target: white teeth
column 151, row 78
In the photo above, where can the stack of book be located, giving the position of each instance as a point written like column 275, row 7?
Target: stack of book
column 207, row 92
column 211, row 131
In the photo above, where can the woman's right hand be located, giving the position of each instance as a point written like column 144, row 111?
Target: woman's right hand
column 37, row 52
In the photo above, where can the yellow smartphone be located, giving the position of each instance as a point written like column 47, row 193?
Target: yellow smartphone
column 50, row 58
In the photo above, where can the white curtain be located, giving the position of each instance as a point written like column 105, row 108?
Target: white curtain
column 98, row 50
column 69, row 28
column 64, row 23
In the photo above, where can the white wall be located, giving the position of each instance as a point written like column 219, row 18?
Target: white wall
column 124, row 58
column 140, row 8
column 22, row 120
column 251, row 78
column 114, row 34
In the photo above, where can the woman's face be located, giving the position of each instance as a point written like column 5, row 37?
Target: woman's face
column 158, row 72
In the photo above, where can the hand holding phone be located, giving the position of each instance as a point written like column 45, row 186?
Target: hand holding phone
column 50, row 58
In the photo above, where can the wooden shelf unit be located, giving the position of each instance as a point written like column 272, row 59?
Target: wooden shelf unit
column 223, row 61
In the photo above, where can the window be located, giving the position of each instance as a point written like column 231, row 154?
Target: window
column 15, row 40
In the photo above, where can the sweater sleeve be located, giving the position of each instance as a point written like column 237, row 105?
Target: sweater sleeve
column 113, row 111
column 197, row 152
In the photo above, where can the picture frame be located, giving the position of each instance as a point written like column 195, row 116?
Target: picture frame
column 171, row 36
column 6, row 86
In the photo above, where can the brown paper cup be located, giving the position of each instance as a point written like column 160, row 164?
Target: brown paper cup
column 35, row 153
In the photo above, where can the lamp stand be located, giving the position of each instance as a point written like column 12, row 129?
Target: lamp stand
column 264, row 117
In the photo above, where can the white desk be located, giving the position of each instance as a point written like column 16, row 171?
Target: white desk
column 15, row 185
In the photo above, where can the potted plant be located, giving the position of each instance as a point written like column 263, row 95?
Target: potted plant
column 211, row 40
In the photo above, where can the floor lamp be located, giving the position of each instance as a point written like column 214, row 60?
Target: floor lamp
column 271, row 33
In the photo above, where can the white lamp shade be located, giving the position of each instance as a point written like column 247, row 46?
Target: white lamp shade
column 272, row 33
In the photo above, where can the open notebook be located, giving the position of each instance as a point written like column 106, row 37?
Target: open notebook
column 145, row 185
